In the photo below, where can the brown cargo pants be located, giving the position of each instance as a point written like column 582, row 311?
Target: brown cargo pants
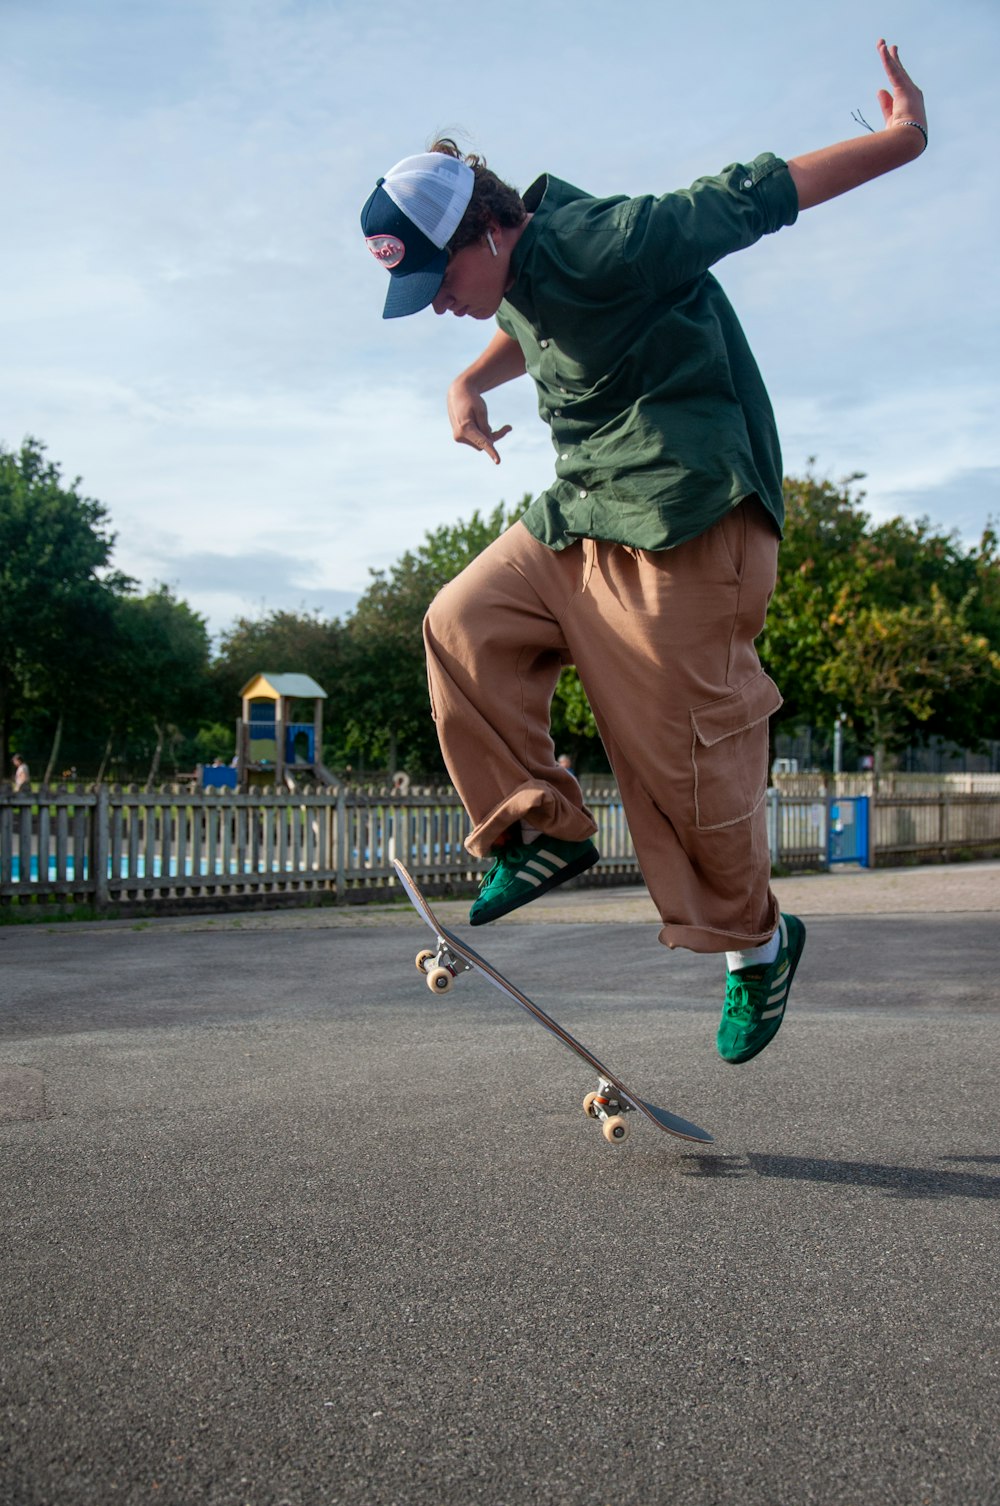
column 664, row 645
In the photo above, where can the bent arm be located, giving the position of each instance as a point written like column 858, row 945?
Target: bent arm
column 501, row 361
column 834, row 170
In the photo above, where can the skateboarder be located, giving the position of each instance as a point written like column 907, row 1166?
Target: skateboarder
column 650, row 561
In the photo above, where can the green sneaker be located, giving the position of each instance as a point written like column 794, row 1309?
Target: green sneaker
column 756, row 997
column 522, row 871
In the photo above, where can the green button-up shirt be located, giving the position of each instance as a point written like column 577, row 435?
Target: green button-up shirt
column 659, row 415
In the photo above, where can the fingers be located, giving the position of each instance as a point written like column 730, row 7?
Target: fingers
column 906, row 100
column 898, row 76
column 496, row 435
column 470, row 421
column 890, row 61
column 477, row 440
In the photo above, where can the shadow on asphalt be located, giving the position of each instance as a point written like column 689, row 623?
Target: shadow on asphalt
column 896, row 1181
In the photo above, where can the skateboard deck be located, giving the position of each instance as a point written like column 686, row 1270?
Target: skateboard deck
column 612, row 1100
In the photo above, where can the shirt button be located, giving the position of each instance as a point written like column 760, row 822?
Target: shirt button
column 583, row 494
column 557, row 412
column 544, row 344
column 564, row 455
column 748, row 183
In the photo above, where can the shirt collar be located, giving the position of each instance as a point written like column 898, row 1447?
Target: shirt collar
column 543, row 199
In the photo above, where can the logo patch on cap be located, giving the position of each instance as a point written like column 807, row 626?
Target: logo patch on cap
column 388, row 249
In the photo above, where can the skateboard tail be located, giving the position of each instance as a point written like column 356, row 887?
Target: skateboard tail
column 672, row 1122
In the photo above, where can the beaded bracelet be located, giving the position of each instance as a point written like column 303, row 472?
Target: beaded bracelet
column 917, row 126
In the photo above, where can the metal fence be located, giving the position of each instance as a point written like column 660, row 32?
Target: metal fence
column 118, row 849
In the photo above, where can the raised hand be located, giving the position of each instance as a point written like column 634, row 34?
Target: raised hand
column 833, row 170
column 905, row 104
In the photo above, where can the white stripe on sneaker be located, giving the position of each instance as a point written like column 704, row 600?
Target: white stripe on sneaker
column 530, row 878
column 551, row 857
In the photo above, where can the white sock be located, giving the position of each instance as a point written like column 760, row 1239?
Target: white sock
column 530, row 833
column 754, row 956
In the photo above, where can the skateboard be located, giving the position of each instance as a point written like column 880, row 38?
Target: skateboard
column 612, row 1101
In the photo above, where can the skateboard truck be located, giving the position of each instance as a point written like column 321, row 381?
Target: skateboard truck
column 607, row 1106
column 441, row 967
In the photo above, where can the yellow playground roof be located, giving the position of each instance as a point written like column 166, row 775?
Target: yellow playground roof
column 276, row 687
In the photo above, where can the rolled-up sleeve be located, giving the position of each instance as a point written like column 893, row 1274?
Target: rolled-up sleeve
column 670, row 240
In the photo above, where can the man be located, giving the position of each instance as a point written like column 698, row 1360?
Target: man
column 22, row 774
column 650, row 561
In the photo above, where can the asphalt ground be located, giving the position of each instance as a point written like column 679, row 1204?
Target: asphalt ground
column 280, row 1226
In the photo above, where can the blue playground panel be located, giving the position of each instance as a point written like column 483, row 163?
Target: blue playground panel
column 264, row 728
column 221, row 778
column 847, row 837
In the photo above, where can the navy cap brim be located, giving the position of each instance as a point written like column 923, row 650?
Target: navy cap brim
column 409, row 292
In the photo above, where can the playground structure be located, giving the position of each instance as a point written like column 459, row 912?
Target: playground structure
column 273, row 736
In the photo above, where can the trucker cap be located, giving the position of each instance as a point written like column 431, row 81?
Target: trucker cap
column 408, row 221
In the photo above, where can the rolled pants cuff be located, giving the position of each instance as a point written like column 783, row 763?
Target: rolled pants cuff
column 704, row 939
column 538, row 804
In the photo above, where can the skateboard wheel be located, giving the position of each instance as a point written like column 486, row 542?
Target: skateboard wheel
column 615, row 1129
column 590, row 1105
column 422, row 959
column 439, row 980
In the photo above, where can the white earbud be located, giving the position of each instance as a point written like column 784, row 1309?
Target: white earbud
column 489, row 242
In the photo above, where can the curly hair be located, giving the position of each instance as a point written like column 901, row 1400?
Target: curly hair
column 493, row 201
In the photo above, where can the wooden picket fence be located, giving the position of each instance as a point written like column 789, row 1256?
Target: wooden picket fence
column 118, row 850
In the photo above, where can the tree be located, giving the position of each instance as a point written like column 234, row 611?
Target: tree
column 157, row 677
column 574, row 728
column 851, row 594
column 824, row 530
column 57, row 590
column 895, row 664
column 388, row 719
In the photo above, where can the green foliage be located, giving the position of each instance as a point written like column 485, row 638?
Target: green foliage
column 824, row 528
column 214, row 740
column 574, row 729
column 894, row 623
column 57, row 591
column 159, row 669
column 389, row 718
column 900, row 663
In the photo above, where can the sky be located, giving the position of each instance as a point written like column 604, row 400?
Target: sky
column 191, row 323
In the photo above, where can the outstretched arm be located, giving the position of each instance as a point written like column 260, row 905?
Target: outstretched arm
column 500, row 362
column 834, row 170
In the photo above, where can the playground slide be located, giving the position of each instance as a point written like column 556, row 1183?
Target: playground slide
column 298, row 774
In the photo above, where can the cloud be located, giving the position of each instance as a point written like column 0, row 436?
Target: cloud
column 923, row 446
column 223, row 587
column 965, row 500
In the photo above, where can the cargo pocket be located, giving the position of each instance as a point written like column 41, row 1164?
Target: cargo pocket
column 729, row 752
